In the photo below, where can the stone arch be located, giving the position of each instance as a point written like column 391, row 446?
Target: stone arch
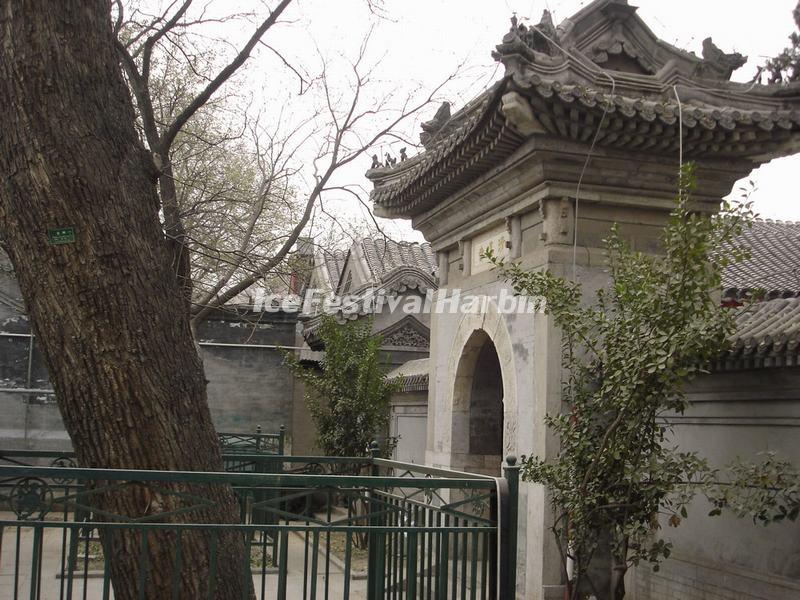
column 483, row 398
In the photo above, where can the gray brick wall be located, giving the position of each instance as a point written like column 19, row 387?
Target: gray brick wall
column 247, row 385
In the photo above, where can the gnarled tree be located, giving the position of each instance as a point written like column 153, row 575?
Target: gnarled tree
column 228, row 238
column 108, row 308
column 113, row 307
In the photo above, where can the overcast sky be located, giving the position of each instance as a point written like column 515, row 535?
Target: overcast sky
column 419, row 42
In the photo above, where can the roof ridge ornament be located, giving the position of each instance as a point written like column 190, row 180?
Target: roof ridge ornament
column 610, row 34
column 717, row 64
column 562, row 96
column 540, row 42
column 618, row 45
column 435, row 125
column 533, row 42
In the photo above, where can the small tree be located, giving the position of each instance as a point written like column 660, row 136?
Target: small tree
column 785, row 67
column 626, row 360
column 349, row 396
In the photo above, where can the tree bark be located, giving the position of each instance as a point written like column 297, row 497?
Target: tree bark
column 107, row 309
column 618, row 570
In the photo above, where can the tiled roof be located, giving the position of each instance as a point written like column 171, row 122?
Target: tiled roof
column 390, row 268
column 767, row 332
column 767, row 335
column 665, row 111
column 474, row 139
column 556, row 94
column 773, row 265
column 382, row 256
column 333, row 261
column 484, row 138
column 413, row 375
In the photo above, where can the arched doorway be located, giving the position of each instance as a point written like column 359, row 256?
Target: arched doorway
column 477, row 444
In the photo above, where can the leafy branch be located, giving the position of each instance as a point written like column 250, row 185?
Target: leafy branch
column 348, row 396
column 627, row 357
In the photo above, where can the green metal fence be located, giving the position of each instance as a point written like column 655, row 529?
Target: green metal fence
column 264, row 458
column 382, row 530
column 253, row 443
column 237, row 450
column 235, row 445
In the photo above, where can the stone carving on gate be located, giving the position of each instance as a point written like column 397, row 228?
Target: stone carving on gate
column 406, row 333
column 406, row 337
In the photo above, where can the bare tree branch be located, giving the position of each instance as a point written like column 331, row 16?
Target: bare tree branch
column 333, row 150
column 229, row 195
column 222, row 76
column 303, row 80
column 150, row 42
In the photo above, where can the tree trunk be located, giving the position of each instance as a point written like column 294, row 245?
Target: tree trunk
column 175, row 232
column 107, row 308
column 618, row 570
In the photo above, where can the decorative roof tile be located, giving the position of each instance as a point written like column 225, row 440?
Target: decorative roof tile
column 333, row 261
column 382, row 256
column 390, row 268
column 472, row 141
column 773, row 265
column 485, row 137
column 767, row 335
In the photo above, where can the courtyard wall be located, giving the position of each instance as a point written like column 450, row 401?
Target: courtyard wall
column 247, row 384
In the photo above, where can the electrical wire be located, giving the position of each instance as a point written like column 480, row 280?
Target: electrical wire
column 680, row 131
column 597, row 69
column 580, row 181
column 596, row 137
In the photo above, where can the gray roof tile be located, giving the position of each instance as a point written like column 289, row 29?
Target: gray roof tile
column 384, row 256
column 767, row 335
column 334, row 263
column 774, row 262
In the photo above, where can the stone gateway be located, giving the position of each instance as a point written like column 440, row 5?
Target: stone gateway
column 586, row 128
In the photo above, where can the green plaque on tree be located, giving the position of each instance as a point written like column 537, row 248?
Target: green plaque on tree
column 62, row 235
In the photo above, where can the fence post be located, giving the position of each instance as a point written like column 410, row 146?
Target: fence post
column 509, row 549
column 258, row 438
column 282, row 440
column 36, row 563
column 375, row 452
column 374, row 547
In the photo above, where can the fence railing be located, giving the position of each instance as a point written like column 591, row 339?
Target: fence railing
column 254, row 443
column 322, row 527
column 241, row 452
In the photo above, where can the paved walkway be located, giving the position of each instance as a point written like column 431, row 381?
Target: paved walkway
column 52, row 587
